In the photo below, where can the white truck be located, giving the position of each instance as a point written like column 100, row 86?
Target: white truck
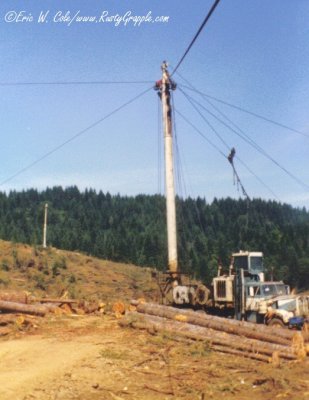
column 244, row 294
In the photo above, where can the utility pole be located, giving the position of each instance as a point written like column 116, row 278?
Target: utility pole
column 164, row 86
column 45, row 225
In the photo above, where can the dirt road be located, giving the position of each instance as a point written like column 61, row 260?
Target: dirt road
column 84, row 357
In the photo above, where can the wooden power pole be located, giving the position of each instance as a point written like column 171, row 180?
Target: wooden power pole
column 45, row 225
column 164, row 86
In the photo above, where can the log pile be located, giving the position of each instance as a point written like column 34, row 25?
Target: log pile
column 21, row 311
column 226, row 335
column 20, row 302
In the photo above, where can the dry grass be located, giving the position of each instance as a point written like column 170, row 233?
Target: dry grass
column 54, row 272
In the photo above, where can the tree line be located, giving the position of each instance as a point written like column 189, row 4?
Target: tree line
column 133, row 229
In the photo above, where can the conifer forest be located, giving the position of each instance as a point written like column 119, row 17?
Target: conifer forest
column 132, row 230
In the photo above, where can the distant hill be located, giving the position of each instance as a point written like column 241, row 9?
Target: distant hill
column 132, row 229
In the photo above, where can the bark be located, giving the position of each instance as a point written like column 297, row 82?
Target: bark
column 246, row 354
column 284, row 333
column 4, row 331
column 48, row 300
column 213, row 337
column 6, row 319
column 10, row 306
column 16, row 296
column 239, row 328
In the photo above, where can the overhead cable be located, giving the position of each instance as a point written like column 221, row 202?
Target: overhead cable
column 73, row 83
column 52, row 151
column 203, row 117
column 227, row 146
column 197, row 34
column 271, row 121
column 252, row 143
column 200, row 133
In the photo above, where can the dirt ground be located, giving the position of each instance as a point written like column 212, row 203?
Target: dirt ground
column 91, row 357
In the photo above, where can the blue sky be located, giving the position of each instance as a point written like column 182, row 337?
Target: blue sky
column 253, row 54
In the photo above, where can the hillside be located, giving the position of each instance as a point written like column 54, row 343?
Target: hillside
column 52, row 272
column 132, row 230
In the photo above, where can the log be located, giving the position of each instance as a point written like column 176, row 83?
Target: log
column 284, row 333
column 16, row 296
column 16, row 319
column 6, row 319
column 5, row 331
column 189, row 331
column 216, row 323
column 10, row 306
column 253, row 356
column 48, row 300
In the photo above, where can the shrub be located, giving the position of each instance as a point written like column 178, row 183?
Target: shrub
column 5, row 265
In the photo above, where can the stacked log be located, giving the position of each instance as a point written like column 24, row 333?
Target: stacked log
column 15, row 296
column 22, row 302
column 257, row 341
column 10, row 306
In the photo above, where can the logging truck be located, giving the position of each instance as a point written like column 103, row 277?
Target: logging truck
column 244, row 294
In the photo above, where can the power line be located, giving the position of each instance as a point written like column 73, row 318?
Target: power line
column 74, row 137
column 73, row 83
column 244, row 110
column 197, row 34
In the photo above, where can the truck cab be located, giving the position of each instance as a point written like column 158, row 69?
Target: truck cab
column 251, row 262
column 259, row 296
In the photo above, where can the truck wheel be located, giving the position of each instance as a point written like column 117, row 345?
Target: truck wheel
column 276, row 322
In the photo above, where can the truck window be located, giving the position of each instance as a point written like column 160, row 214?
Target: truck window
column 281, row 289
column 274, row 290
column 256, row 263
column 269, row 290
column 241, row 262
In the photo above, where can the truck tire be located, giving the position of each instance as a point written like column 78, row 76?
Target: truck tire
column 276, row 322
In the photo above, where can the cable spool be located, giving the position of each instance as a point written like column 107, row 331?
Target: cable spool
column 202, row 294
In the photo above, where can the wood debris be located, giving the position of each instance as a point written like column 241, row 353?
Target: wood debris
column 19, row 310
column 119, row 309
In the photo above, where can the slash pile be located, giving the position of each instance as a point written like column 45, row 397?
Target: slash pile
column 255, row 341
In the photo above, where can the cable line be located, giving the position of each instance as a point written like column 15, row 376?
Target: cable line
column 227, row 146
column 74, row 137
column 203, row 117
column 257, row 147
column 244, row 110
column 197, row 34
column 73, row 83
column 200, row 133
